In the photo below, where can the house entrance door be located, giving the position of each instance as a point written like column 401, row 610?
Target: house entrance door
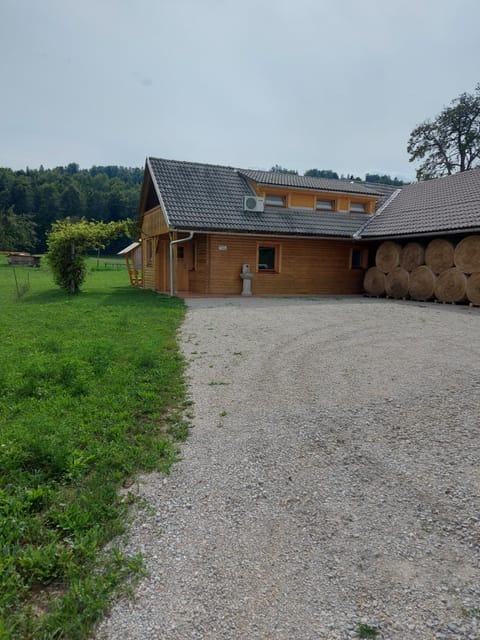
column 184, row 265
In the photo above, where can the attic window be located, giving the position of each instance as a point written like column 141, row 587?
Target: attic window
column 358, row 207
column 326, row 205
column 275, row 201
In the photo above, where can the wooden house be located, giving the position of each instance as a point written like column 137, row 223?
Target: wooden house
column 200, row 223
column 299, row 235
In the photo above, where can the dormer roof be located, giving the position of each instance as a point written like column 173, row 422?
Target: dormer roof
column 293, row 181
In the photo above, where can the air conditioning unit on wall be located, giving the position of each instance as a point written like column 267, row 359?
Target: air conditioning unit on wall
column 253, row 203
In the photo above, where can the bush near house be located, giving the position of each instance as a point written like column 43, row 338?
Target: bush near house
column 86, row 383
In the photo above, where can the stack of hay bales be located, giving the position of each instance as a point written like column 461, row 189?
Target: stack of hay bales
column 438, row 271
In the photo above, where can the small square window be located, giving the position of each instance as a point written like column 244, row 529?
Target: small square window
column 326, row 205
column 274, row 201
column 358, row 258
column 357, row 207
column 268, row 258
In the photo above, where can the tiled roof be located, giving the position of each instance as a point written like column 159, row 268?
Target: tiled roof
column 285, row 222
column 385, row 190
column 444, row 204
column 305, row 182
column 195, row 193
column 210, row 198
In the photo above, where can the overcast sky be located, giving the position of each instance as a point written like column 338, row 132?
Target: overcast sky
column 248, row 83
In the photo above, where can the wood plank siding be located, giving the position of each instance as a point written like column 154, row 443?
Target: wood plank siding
column 148, row 265
column 154, row 223
column 305, row 266
column 154, row 237
column 211, row 264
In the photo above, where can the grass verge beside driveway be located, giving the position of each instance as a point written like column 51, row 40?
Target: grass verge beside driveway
column 91, row 391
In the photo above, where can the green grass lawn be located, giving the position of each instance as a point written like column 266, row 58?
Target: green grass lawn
column 91, row 392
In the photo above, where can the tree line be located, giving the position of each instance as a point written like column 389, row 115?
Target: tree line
column 33, row 199
column 333, row 175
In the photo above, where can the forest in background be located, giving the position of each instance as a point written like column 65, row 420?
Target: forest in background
column 31, row 199
column 46, row 195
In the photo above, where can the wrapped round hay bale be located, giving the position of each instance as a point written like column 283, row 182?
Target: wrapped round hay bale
column 412, row 256
column 467, row 255
column 473, row 289
column 422, row 283
column 439, row 255
column 396, row 283
column 374, row 282
column 388, row 256
column 451, row 286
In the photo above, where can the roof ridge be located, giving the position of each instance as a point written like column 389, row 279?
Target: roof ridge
column 298, row 175
column 241, row 170
column 358, row 234
column 198, row 164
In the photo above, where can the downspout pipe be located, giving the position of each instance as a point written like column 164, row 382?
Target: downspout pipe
column 173, row 242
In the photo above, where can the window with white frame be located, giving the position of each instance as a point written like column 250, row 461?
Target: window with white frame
column 358, row 207
column 325, row 205
column 272, row 200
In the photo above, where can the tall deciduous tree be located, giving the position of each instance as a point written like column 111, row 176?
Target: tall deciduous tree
column 451, row 142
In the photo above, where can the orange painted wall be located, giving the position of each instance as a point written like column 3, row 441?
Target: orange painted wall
column 300, row 198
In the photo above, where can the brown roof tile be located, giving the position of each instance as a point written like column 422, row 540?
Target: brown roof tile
column 450, row 203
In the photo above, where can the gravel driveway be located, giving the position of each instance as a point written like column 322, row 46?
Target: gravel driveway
column 331, row 478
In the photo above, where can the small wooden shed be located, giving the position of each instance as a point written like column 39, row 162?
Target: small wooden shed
column 133, row 259
column 23, row 260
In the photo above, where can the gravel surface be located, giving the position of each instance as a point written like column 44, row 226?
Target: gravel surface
column 331, row 479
